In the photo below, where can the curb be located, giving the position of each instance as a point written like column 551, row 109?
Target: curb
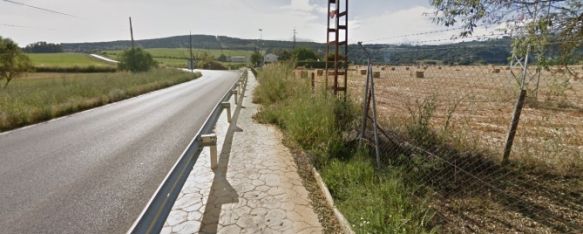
column 345, row 225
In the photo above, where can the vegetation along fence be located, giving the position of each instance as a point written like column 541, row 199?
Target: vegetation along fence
column 446, row 127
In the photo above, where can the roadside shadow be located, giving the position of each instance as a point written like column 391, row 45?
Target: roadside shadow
column 221, row 191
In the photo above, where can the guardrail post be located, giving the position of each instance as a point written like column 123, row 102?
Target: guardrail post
column 210, row 140
column 235, row 93
column 227, row 105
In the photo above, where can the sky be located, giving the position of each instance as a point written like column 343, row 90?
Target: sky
column 371, row 21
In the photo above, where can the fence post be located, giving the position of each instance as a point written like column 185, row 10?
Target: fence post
column 517, row 111
column 370, row 96
column 313, row 82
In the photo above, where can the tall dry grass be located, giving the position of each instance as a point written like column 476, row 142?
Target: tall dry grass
column 40, row 97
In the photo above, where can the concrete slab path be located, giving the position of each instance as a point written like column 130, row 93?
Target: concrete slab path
column 256, row 188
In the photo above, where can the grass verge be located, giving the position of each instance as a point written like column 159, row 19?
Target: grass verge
column 374, row 201
column 41, row 97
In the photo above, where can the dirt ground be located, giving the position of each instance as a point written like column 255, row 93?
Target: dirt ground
column 476, row 103
column 473, row 107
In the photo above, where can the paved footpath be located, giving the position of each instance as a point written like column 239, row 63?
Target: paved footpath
column 256, row 188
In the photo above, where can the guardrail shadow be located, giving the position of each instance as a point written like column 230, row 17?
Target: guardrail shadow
column 221, row 191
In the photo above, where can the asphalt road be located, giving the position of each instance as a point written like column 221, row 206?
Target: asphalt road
column 94, row 171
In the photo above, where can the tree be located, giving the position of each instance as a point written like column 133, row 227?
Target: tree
column 304, row 54
column 43, row 47
column 12, row 61
column 222, row 58
column 207, row 61
column 538, row 20
column 136, row 60
column 283, row 55
column 256, row 59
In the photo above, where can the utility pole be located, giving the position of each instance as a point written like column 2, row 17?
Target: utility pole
column 294, row 45
column 260, row 46
column 132, row 33
column 191, row 54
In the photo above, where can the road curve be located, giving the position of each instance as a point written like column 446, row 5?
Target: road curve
column 94, row 171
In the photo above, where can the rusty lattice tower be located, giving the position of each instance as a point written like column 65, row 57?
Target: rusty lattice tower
column 337, row 46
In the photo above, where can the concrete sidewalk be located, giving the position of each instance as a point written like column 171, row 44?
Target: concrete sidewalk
column 256, row 188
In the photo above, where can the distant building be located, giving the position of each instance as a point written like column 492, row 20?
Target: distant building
column 270, row 58
column 238, row 59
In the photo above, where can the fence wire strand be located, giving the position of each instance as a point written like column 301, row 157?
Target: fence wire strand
column 445, row 128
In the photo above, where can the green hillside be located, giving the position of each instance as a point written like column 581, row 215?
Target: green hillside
column 493, row 51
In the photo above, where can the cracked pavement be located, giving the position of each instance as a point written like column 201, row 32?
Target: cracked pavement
column 256, row 188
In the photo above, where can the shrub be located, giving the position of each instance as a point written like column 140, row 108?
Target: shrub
column 136, row 60
column 76, row 69
column 12, row 61
column 211, row 65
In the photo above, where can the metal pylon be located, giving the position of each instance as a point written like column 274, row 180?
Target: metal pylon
column 337, row 46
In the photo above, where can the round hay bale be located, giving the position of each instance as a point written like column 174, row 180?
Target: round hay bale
column 420, row 74
column 363, row 72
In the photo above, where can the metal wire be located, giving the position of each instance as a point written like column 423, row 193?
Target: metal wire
column 458, row 166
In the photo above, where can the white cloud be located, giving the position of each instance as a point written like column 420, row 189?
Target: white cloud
column 387, row 27
column 103, row 20
column 410, row 26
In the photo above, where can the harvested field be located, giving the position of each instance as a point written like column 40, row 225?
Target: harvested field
column 475, row 104
column 468, row 110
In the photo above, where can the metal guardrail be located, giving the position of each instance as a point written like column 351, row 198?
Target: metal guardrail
column 153, row 217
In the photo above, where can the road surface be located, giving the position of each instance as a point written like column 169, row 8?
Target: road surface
column 94, row 171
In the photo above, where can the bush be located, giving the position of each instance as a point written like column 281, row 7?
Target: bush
column 75, row 69
column 136, row 60
column 13, row 62
column 211, row 65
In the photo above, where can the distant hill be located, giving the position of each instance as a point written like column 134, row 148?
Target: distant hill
column 493, row 51
column 198, row 41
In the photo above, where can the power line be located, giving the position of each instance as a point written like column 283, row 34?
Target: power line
column 414, row 34
column 39, row 8
column 485, row 25
column 24, row 27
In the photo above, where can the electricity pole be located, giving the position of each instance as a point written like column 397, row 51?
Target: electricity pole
column 260, row 46
column 191, row 55
column 132, row 33
column 294, row 45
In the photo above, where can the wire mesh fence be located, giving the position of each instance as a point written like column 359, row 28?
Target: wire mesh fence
column 445, row 128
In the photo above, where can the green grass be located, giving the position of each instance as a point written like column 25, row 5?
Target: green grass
column 40, row 97
column 374, row 201
column 66, row 60
column 172, row 56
